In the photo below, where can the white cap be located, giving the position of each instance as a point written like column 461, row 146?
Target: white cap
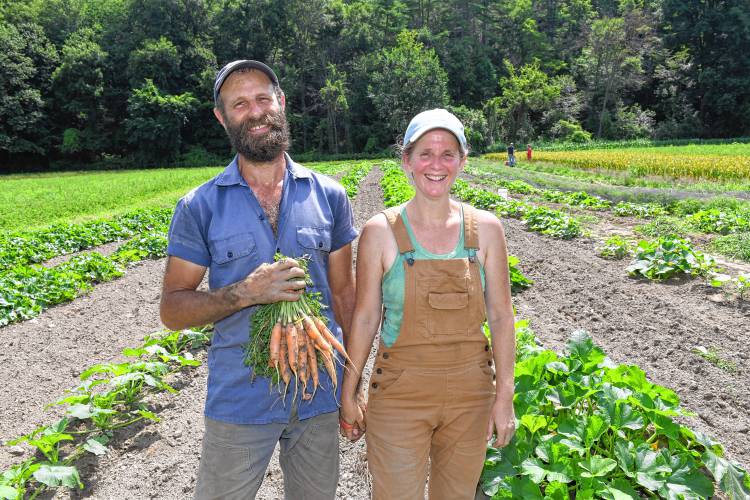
column 432, row 119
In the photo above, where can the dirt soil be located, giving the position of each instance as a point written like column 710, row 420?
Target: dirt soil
column 653, row 325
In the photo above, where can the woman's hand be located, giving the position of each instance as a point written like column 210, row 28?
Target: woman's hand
column 352, row 418
column 502, row 423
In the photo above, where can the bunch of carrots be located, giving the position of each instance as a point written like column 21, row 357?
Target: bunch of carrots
column 290, row 341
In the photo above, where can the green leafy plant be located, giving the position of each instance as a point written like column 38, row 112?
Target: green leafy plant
column 518, row 281
column 712, row 356
column 668, row 257
column 642, row 210
column 588, row 428
column 615, row 247
column 552, row 223
column 354, row 176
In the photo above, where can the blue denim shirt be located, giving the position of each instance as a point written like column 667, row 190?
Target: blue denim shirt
column 221, row 225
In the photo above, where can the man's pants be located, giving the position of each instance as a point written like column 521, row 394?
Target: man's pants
column 235, row 458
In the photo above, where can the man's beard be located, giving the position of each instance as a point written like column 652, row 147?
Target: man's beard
column 260, row 148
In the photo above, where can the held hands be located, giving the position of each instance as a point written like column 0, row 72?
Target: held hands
column 502, row 423
column 352, row 418
column 282, row 280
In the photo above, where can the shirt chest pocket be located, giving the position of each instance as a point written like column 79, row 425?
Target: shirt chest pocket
column 314, row 238
column 232, row 259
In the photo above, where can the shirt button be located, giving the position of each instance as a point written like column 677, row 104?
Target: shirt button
column 379, row 371
column 320, row 244
column 385, row 355
column 230, row 255
column 374, row 385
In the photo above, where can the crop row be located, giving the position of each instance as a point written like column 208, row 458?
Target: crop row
column 21, row 248
column 27, row 290
column 591, row 429
column 354, row 176
column 653, row 162
column 109, row 397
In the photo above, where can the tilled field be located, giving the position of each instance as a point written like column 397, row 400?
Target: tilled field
column 652, row 325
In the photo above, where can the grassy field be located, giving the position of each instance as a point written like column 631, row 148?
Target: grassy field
column 30, row 201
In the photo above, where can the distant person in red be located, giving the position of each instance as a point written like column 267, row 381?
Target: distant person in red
column 528, row 152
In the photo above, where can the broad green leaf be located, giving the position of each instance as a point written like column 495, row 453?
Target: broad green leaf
column 534, row 422
column 736, row 482
column 82, row 412
column 58, row 475
column 651, row 468
column 620, row 489
column 535, row 469
column 8, row 493
column 597, row 466
column 149, row 415
column 95, row 447
column 595, row 427
column 556, row 491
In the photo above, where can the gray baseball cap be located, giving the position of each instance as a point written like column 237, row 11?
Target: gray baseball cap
column 227, row 70
column 432, row 119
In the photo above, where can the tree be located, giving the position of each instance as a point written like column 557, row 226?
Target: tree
column 26, row 57
column 527, row 94
column 157, row 60
column 155, row 122
column 333, row 94
column 406, row 80
column 78, row 87
column 609, row 63
column 716, row 35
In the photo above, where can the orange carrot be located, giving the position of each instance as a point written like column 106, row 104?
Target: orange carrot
column 286, row 373
column 302, row 359
column 274, row 346
column 330, row 368
column 312, row 362
column 314, row 334
column 291, row 344
column 323, row 329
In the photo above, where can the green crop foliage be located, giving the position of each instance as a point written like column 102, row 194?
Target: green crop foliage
column 110, row 397
column 591, row 429
column 354, row 176
column 668, row 257
column 396, row 187
column 518, row 281
column 615, row 248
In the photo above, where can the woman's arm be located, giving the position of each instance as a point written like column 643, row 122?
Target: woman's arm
column 501, row 323
column 366, row 318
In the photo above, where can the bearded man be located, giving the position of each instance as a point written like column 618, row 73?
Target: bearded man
column 261, row 204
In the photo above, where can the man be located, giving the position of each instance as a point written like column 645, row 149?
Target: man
column 511, row 155
column 262, row 203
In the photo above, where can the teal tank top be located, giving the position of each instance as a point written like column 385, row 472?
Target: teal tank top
column 393, row 280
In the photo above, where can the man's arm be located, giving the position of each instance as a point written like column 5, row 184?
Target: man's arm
column 341, row 282
column 183, row 306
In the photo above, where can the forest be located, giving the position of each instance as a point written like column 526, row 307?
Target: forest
column 129, row 82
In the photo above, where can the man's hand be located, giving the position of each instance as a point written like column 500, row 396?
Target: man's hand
column 282, row 280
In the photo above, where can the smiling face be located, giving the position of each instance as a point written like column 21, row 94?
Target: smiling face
column 253, row 115
column 434, row 162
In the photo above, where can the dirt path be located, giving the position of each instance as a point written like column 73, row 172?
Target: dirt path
column 652, row 325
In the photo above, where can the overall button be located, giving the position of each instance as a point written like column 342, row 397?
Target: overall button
column 489, row 363
column 374, row 385
column 379, row 371
column 486, row 348
column 385, row 355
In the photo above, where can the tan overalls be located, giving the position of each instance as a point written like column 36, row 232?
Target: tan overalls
column 432, row 391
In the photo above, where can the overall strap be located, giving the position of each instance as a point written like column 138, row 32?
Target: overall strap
column 398, row 227
column 471, row 228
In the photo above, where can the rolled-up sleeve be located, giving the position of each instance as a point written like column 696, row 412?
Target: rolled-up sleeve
column 186, row 239
column 344, row 231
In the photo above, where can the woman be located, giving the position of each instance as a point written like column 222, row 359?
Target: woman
column 437, row 267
